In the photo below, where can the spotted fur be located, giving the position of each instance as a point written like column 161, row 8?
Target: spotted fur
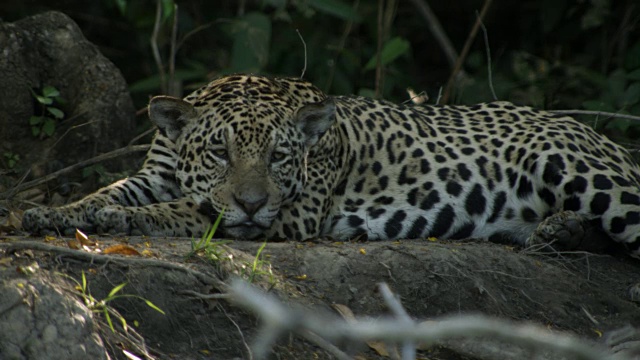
column 284, row 160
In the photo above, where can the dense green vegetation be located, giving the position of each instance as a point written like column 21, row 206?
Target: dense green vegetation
column 549, row 54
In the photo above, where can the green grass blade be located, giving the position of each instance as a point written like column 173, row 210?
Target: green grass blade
column 115, row 290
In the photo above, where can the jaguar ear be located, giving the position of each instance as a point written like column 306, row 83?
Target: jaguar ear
column 170, row 115
column 313, row 120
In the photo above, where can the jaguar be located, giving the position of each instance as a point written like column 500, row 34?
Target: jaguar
column 277, row 158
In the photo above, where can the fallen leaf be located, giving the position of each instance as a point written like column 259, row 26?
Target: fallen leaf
column 73, row 244
column 121, row 249
column 344, row 311
column 147, row 253
column 6, row 261
column 301, row 277
column 12, row 222
column 29, row 269
column 84, row 239
column 363, row 251
column 379, row 347
column 431, row 238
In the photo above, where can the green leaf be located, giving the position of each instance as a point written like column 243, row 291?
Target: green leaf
column 634, row 75
column 57, row 113
column 336, row 8
column 106, row 315
column 115, row 290
column 49, row 126
column 167, row 9
column 35, row 131
column 122, row 6
column 35, row 120
column 632, row 59
column 393, row 49
column 366, row 92
column 598, row 105
column 252, row 39
column 154, row 307
column 84, row 283
column 152, row 83
column 44, row 100
column 50, row 92
column 631, row 95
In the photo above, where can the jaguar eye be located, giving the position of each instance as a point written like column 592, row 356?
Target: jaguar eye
column 277, row 156
column 220, row 153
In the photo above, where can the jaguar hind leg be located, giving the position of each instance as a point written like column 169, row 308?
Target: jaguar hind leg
column 568, row 230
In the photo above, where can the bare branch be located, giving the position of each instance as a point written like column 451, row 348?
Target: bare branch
column 436, row 30
column 112, row 154
column 487, row 50
column 304, row 44
column 378, row 89
column 154, row 47
column 457, row 69
column 279, row 319
column 596, row 113
column 171, row 87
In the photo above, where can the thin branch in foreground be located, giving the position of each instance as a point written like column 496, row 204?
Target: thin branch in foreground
column 279, row 319
column 596, row 113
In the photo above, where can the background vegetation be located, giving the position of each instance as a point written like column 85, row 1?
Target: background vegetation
column 573, row 54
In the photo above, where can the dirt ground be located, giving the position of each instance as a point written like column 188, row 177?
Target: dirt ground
column 43, row 314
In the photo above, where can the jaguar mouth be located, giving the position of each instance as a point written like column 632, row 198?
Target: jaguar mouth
column 247, row 224
column 245, row 230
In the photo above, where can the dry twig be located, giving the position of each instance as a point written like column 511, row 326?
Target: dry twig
column 457, row 69
column 112, row 154
column 436, row 30
column 279, row 319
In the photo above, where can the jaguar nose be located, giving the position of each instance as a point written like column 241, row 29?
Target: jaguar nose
column 251, row 206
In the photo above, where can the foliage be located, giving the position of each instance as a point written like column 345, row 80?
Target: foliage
column 549, row 54
column 211, row 249
column 259, row 267
column 44, row 124
column 10, row 159
column 102, row 306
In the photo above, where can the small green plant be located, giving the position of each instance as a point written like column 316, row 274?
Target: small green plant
column 44, row 125
column 102, row 306
column 258, row 267
column 211, row 249
column 11, row 159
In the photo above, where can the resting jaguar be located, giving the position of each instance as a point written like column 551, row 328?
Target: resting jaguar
column 280, row 159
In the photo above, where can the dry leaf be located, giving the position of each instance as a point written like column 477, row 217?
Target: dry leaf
column 147, row 253
column 121, row 250
column 363, row 251
column 73, row 244
column 84, row 239
column 29, row 269
column 6, row 261
column 12, row 222
column 344, row 311
column 379, row 347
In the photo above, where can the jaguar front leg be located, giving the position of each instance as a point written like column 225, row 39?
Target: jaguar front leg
column 180, row 218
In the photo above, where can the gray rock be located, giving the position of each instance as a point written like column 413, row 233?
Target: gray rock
column 49, row 49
